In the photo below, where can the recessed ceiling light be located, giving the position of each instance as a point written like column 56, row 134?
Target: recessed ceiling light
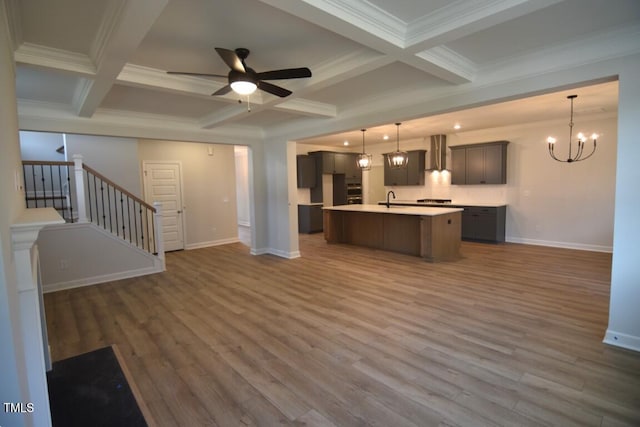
column 345, row 143
column 385, row 137
column 457, row 126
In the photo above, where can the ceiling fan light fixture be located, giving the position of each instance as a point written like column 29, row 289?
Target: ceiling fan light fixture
column 243, row 87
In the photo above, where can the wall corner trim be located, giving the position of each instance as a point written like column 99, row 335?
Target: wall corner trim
column 618, row 339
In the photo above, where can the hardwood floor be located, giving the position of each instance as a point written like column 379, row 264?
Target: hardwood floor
column 511, row 335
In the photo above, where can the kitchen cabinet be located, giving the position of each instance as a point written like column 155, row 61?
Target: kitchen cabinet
column 481, row 223
column 338, row 163
column 306, row 171
column 352, row 171
column 413, row 174
column 484, row 163
column 310, row 218
column 484, row 223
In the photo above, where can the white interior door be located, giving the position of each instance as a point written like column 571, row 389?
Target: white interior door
column 162, row 183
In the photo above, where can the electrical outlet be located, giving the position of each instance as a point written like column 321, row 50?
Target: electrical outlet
column 63, row 264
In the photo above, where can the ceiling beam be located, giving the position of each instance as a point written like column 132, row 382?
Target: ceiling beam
column 48, row 57
column 121, row 31
column 462, row 18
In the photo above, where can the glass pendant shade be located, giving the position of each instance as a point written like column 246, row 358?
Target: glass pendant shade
column 398, row 159
column 364, row 160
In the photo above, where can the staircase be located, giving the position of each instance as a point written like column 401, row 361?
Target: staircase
column 84, row 197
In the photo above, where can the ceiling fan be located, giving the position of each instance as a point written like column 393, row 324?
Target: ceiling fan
column 244, row 80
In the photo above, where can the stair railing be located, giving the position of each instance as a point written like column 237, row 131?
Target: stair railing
column 85, row 195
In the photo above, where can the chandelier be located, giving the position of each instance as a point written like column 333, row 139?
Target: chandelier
column 364, row 159
column 578, row 156
column 398, row 159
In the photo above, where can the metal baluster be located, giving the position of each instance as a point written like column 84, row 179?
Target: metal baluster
column 104, row 217
column 146, row 220
column 129, row 217
column 141, row 226
column 44, row 188
column 95, row 196
column 89, row 196
column 115, row 207
column 53, row 191
column 24, row 177
column 110, row 214
column 35, row 188
column 63, row 199
column 124, row 233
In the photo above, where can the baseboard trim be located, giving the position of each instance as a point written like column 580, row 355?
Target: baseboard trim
column 618, row 339
column 276, row 252
column 564, row 245
column 89, row 281
column 211, row 243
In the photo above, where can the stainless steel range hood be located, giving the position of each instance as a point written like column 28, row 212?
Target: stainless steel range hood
column 438, row 155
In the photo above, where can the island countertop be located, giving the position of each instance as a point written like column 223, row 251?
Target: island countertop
column 400, row 210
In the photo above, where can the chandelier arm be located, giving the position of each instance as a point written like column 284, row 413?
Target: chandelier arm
column 590, row 154
column 552, row 154
column 579, row 151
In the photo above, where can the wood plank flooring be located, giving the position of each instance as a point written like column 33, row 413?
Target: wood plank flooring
column 510, row 335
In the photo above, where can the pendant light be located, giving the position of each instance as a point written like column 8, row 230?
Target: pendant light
column 578, row 156
column 364, row 159
column 398, row 159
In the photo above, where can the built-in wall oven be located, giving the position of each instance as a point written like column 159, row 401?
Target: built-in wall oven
column 354, row 193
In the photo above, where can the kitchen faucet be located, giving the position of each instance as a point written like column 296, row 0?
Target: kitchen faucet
column 388, row 194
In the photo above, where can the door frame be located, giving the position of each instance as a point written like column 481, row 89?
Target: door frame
column 145, row 187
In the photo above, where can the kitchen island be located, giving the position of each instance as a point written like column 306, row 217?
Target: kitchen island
column 431, row 233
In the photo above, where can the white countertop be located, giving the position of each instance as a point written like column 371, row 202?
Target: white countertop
column 455, row 203
column 401, row 210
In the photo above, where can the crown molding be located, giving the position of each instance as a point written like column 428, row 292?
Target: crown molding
column 367, row 17
column 308, row 108
column 137, row 75
column 108, row 27
column 57, row 59
column 450, row 61
column 461, row 18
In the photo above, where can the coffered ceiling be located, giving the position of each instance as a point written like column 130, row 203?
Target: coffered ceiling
column 105, row 61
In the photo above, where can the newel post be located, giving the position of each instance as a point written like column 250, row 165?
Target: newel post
column 79, row 175
column 157, row 231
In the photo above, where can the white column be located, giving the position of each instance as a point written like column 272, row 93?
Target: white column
column 157, row 230
column 80, row 199
column 24, row 234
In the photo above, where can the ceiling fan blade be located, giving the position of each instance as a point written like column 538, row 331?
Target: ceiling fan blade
column 182, row 73
column 289, row 73
column 222, row 91
column 273, row 89
column 231, row 59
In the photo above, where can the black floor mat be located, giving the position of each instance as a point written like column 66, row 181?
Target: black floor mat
column 91, row 390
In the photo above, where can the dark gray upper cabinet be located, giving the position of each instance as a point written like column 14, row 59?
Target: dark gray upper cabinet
column 413, row 174
column 352, row 171
column 338, row 163
column 484, row 163
column 306, row 171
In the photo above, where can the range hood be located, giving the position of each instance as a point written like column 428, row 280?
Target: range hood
column 438, row 155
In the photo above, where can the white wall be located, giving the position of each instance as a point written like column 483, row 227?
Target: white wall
column 624, row 316
column 13, row 378
column 74, row 255
column 209, row 186
column 41, row 146
column 114, row 157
